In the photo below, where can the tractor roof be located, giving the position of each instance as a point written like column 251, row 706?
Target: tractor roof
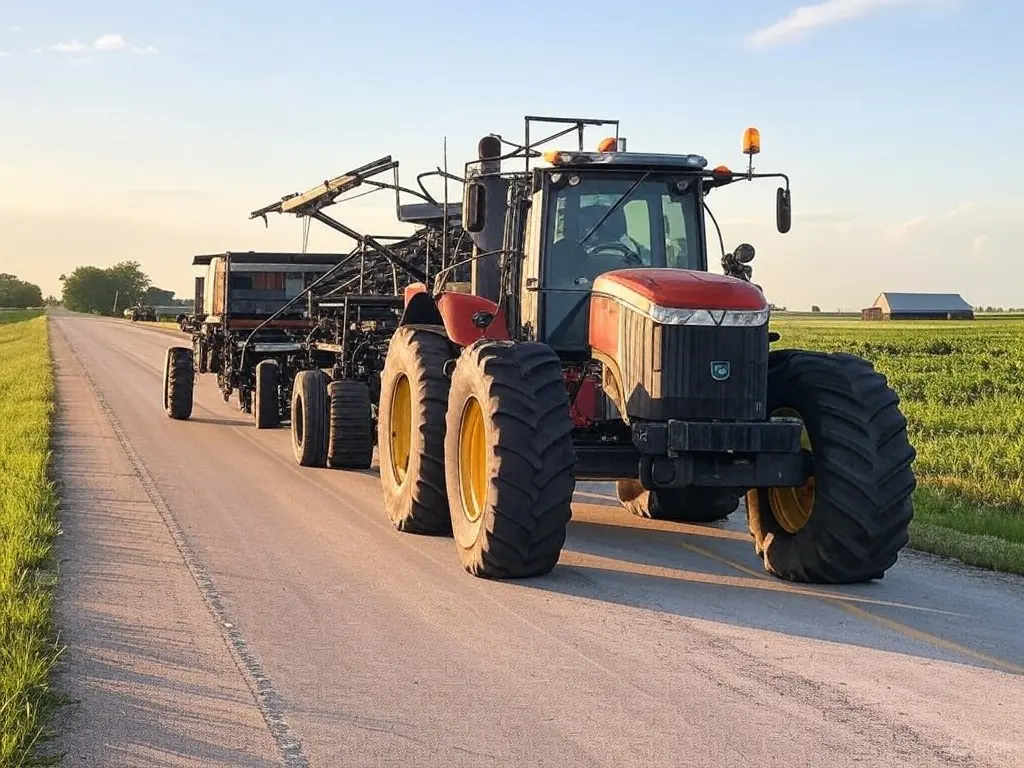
column 646, row 160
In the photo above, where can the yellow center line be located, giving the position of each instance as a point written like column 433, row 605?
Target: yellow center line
column 845, row 603
column 702, row 577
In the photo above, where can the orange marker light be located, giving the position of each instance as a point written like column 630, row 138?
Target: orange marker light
column 751, row 141
column 552, row 156
column 722, row 169
column 607, row 145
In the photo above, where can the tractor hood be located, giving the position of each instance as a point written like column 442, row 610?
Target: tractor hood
column 650, row 289
column 680, row 344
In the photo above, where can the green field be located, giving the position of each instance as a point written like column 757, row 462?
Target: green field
column 961, row 384
column 28, row 525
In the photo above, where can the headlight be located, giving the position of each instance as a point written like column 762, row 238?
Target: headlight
column 669, row 316
column 745, row 317
column 725, row 317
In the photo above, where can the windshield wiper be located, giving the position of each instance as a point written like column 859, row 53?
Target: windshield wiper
column 625, row 195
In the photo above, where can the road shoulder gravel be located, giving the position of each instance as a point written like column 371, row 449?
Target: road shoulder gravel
column 153, row 675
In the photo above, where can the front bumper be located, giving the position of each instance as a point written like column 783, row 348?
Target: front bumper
column 676, row 454
column 675, row 437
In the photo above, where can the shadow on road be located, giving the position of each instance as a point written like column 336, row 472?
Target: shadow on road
column 710, row 572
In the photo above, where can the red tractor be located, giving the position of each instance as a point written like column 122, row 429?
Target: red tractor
column 593, row 344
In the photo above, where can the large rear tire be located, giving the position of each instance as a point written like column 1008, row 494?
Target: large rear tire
column 849, row 523
column 410, row 431
column 267, row 406
column 309, row 418
column 350, row 442
column 179, row 382
column 685, row 505
column 509, row 459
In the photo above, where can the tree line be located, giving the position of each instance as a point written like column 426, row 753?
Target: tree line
column 97, row 290
column 109, row 290
column 18, row 294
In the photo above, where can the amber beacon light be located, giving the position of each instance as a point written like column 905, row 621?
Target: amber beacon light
column 751, row 146
column 751, row 141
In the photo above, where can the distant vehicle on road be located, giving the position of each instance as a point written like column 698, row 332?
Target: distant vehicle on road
column 138, row 312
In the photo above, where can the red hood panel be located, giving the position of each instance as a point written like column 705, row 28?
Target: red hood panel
column 683, row 288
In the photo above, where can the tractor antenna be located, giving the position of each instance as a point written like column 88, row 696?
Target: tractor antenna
column 444, row 209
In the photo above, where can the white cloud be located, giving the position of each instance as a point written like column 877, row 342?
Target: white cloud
column 105, row 43
column 16, row 28
column 4, row 53
column 961, row 209
column 898, row 233
column 109, row 43
column 73, row 47
column 807, row 17
column 979, row 245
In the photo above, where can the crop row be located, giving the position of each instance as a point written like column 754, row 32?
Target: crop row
column 962, row 389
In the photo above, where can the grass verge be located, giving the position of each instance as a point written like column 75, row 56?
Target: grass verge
column 170, row 325
column 164, row 326
column 977, row 535
column 28, row 525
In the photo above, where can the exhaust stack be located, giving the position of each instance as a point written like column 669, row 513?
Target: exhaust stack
column 486, row 270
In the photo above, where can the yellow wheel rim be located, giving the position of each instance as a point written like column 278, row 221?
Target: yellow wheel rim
column 473, row 470
column 792, row 507
column 401, row 428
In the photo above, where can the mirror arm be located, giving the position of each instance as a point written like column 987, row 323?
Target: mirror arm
column 782, row 176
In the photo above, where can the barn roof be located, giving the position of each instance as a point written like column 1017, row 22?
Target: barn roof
column 922, row 302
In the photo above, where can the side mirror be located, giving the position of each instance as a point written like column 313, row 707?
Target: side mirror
column 744, row 253
column 783, row 210
column 474, row 207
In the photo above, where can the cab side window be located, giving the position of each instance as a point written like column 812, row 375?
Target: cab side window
column 677, row 253
column 638, row 226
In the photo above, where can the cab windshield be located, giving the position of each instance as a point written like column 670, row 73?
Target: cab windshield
column 656, row 225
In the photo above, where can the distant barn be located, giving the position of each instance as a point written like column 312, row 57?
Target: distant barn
column 918, row 306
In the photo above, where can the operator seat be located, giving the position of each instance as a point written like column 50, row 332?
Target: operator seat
column 572, row 268
column 571, row 262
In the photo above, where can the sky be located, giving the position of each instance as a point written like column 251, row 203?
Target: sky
column 148, row 131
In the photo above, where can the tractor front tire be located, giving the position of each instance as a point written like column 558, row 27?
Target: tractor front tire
column 267, row 407
column 683, row 505
column 179, row 382
column 849, row 523
column 309, row 418
column 350, row 441
column 411, row 429
column 509, row 459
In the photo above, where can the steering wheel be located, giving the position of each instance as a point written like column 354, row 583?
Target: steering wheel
column 627, row 253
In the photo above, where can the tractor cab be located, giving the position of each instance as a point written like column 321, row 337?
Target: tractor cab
column 543, row 236
column 585, row 221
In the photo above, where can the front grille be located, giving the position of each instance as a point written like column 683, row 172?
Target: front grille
column 667, row 370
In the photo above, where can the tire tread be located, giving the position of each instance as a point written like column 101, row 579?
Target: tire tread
column 863, row 467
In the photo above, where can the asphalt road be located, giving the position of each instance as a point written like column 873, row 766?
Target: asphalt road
column 223, row 606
